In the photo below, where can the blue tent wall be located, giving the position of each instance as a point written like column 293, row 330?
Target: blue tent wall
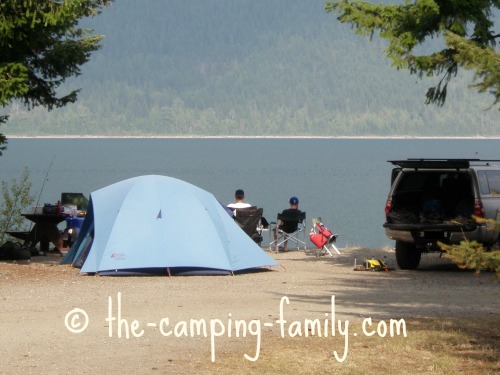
column 158, row 222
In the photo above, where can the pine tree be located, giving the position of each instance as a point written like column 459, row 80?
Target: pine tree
column 41, row 45
column 466, row 27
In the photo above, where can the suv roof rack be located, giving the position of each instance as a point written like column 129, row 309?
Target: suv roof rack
column 438, row 163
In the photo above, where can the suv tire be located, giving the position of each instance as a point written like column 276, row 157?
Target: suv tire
column 407, row 255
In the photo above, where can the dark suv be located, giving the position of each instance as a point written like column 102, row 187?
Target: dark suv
column 434, row 200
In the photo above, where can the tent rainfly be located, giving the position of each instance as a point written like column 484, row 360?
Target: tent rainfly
column 158, row 225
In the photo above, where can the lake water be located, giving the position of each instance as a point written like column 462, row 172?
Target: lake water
column 343, row 181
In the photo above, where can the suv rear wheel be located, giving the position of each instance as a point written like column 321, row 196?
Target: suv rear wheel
column 407, row 255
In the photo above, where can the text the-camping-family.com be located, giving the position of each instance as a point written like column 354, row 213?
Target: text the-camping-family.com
column 77, row 321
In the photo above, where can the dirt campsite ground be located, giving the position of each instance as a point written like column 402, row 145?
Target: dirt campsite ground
column 56, row 321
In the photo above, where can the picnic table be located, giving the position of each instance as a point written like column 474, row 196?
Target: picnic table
column 44, row 231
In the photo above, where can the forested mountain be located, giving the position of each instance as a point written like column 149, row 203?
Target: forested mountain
column 247, row 67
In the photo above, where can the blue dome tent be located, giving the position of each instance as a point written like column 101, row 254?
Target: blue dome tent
column 157, row 224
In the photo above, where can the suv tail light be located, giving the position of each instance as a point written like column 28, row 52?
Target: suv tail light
column 388, row 206
column 478, row 208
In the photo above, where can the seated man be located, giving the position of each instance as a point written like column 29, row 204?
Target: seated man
column 239, row 196
column 288, row 226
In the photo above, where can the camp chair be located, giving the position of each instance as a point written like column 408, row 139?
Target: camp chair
column 251, row 221
column 292, row 228
column 323, row 238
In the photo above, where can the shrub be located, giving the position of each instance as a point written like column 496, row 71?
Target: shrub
column 472, row 255
column 16, row 199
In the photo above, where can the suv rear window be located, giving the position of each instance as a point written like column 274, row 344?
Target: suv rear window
column 435, row 181
column 412, row 181
column 489, row 182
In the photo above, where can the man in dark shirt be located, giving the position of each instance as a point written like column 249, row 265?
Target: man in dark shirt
column 288, row 226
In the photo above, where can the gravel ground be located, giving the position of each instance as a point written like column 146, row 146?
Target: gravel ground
column 42, row 334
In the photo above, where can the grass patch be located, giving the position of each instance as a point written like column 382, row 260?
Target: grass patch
column 437, row 346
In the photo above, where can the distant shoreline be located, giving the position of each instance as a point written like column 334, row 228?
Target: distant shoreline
column 244, row 137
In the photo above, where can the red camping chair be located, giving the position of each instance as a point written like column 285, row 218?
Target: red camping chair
column 323, row 238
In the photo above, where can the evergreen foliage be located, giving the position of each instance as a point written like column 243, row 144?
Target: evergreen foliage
column 467, row 28
column 472, row 255
column 41, row 46
column 245, row 68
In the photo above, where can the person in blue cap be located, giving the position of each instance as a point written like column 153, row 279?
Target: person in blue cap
column 288, row 226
